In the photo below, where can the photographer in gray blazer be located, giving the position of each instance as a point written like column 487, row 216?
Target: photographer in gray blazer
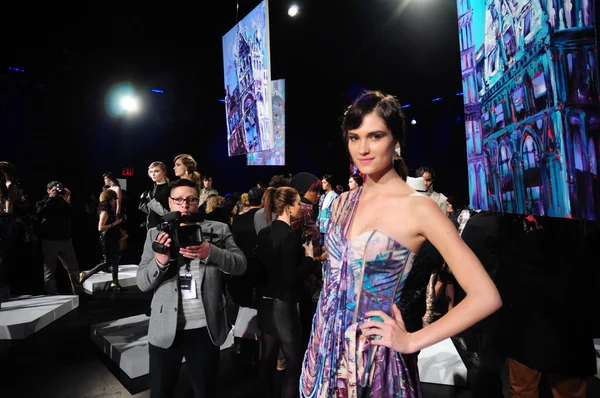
column 188, row 312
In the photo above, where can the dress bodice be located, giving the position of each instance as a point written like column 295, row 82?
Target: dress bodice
column 371, row 270
column 361, row 274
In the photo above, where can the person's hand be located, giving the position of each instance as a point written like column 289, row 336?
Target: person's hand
column 392, row 331
column 163, row 239
column 323, row 256
column 67, row 195
column 118, row 221
column 201, row 251
column 309, row 250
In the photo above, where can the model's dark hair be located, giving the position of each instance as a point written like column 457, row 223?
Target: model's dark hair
column 11, row 172
column 386, row 107
column 111, row 177
column 329, row 179
column 357, row 179
column 275, row 200
column 426, row 169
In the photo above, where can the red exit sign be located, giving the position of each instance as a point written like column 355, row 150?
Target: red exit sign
column 127, row 171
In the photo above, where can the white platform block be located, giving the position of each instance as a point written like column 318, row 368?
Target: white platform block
column 24, row 315
column 441, row 364
column 102, row 280
column 597, row 347
column 125, row 341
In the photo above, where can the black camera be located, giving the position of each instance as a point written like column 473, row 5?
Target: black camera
column 307, row 239
column 181, row 235
column 60, row 189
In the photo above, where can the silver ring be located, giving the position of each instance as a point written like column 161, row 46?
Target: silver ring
column 194, row 255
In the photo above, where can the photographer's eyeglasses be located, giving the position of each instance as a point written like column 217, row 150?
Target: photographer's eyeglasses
column 190, row 201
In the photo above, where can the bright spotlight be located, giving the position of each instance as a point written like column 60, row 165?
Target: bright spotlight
column 129, row 104
column 122, row 100
column 293, row 10
column 413, row 122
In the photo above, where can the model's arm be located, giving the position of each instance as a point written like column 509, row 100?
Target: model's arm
column 482, row 297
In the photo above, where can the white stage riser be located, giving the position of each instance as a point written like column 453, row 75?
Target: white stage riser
column 441, row 364
column 25, row 315
column 125, row 341
column 101, row 281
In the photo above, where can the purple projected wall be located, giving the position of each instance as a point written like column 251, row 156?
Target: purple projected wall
column 530, row 87
column 275, row 156
column 247, row 69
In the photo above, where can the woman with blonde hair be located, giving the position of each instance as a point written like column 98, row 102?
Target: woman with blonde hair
column 155, row 202
column 110, row 235
column 243, row 204
column 213, row 202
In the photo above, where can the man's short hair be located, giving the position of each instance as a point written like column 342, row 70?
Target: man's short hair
column 279, row 181
column 255, row 196
column 52, row 184
column 183, row 182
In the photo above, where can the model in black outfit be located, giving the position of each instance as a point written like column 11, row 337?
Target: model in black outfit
column 109, row 239
column 285, row 260
column 155, row 202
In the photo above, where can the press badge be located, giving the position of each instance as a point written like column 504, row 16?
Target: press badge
column 187, row 284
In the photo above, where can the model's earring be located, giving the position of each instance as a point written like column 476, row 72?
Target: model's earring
column 398, row 151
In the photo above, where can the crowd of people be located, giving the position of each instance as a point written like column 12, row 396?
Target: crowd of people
column 348, row 285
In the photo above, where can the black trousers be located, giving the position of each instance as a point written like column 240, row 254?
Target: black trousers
column 201, row 357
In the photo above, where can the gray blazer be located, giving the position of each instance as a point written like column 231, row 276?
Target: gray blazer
column 224, row 258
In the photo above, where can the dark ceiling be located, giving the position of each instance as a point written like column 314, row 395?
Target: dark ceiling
column 406, row 46
column 55, row 110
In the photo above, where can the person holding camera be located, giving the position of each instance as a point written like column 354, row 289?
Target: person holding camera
column 55, row 215
column 186, row 268
column 110, row 235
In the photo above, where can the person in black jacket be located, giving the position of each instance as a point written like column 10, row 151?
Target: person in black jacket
column 55, row 214
column 282, row 255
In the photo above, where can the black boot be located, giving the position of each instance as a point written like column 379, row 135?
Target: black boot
column 115, row 277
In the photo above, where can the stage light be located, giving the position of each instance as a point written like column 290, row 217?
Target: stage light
column 129, row 104
column 158, row 91
column 122, row 100
column 436, row 99
column 293, row 10
column 413, row 122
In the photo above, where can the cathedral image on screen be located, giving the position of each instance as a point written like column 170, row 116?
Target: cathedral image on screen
column 275, row 156
column 532, row 113
column 246, row 62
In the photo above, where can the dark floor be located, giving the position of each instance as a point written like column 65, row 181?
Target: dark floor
column 61, row 361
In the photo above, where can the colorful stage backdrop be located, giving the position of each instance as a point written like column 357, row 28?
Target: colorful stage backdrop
column 275, row 156
column 247, row 67
column 530, row 87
